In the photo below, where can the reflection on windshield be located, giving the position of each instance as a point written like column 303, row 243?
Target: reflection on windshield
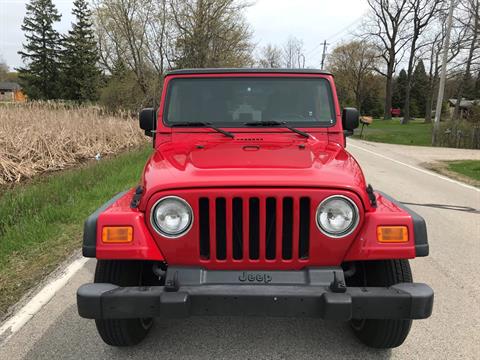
column 232, row 102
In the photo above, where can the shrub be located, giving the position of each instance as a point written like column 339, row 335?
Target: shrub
column 474, row 115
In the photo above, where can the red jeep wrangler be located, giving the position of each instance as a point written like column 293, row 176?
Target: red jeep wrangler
column 250, row 205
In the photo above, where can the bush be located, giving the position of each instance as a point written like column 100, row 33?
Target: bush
column 474, row 115
column 122, row 94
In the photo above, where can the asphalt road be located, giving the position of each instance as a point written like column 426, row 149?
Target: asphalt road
column 453, row 332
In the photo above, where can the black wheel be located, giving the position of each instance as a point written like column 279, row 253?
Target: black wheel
column 122, row 332
column 381, row 334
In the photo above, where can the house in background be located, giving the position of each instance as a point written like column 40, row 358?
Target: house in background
column 465, row 106
column 11, row 92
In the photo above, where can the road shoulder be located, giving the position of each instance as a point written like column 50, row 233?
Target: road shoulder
column 17, row 346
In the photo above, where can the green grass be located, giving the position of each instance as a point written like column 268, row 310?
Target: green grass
column 41, row 221
column 469, row 168
column 392, row 132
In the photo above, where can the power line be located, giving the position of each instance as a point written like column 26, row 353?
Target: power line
column 336, row 34
column 315, row 48
column 346, row 27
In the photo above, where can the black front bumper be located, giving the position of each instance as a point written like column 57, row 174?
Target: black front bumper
column 306, row 293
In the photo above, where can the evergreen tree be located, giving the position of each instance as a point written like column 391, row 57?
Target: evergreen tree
column 477, row 87
column 419, row 90
column 80, row 75
column 469, row 86
column 39, row 77
column 400, row 90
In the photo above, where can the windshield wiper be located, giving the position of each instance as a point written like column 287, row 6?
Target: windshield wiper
column 277, row 123
column 203, row 124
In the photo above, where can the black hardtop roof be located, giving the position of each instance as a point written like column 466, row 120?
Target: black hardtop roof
column 245, row 71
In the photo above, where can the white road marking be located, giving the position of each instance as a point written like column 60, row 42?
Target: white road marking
column 416, row 168
column 15, row 323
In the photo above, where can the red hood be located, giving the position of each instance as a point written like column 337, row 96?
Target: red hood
column 259, row 160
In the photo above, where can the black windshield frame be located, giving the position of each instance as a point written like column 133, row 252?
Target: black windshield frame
column 241, row 124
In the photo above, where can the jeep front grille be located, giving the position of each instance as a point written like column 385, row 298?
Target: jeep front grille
column 261, row 228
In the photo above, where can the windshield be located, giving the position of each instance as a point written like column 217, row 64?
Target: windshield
column 234, row 102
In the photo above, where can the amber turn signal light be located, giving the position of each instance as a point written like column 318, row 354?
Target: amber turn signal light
column 392, row 234
column 117, row 234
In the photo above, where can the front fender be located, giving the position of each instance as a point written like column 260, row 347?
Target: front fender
column 389, row 212
column 118, row 212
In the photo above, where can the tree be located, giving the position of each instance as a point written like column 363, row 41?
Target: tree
column 419, row 91
column 137, row 32
column 476, row 93
column 79, row 57
column 400, row 90
column 293, row 56
column 372, row 104
column 270, row 57
column 210, row 33
column 387, row 27
column 422, row 13
column 352, row 63
column 3, row 70
column 40, row 77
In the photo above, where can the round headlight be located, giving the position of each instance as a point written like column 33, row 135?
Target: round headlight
column 337, row 216
column 172, row 217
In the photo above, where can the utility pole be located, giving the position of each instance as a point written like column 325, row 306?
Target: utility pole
column 443, row 74
column 324, row 52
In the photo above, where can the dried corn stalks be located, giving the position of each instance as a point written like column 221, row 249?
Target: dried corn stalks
column 39, row 137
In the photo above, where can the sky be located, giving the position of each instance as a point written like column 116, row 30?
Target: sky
column 272, row 21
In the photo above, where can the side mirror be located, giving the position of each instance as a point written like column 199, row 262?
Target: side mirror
column 148, row 119
column 350, row 120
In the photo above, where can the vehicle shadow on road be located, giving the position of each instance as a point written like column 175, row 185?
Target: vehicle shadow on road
column 447, row 207
column 209, row 338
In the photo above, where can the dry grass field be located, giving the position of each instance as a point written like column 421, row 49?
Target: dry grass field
column 41, row 137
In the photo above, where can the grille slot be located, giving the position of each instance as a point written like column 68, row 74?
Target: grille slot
column 287, row 228
column 270, row 228
column 204, row 223
column 254, row 228
column 304, row 235
column 221, row 228
column 237, row 228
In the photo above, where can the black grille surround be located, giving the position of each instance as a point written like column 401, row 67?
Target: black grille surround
column 257, row 223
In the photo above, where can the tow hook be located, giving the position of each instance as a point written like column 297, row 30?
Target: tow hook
column 337, row 285
column 171, row 285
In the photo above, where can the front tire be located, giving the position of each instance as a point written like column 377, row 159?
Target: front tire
column 122, row 332
column 381, row 334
